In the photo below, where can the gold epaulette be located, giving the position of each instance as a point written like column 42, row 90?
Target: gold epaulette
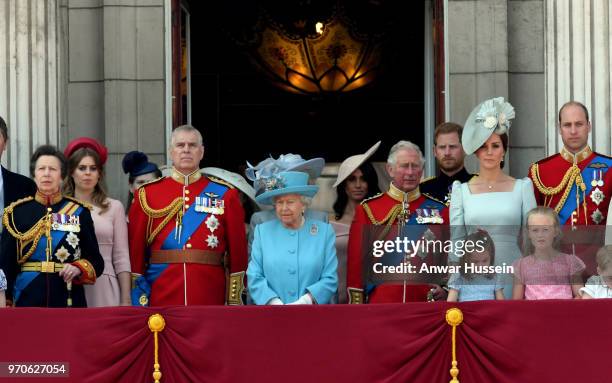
column 152, row 182
column 373, row 197
column 18, row 202
column 84, row 204
column 427, row 179
column 433, row 198
column 220, row 181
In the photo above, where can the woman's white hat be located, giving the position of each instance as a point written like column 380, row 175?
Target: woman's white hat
column 352, row 163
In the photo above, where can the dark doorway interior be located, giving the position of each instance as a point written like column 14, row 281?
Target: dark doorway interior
column 245, row 118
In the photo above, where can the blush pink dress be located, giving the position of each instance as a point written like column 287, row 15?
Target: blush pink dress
column 112, row 235
column 342, row 232
column 548, row 279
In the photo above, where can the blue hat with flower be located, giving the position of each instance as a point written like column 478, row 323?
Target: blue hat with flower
column 284, row 163
column 281, row 184
column 491, row 116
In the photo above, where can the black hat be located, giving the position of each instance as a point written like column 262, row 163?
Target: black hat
column 137, row 163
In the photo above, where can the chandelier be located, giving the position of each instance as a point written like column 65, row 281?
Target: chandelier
column 314, row 47
column 332, row 58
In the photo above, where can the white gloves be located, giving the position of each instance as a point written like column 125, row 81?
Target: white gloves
column 305, row 299
column 275, row 301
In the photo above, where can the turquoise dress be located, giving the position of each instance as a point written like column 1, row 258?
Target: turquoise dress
column 287, row 263
column 501, row 214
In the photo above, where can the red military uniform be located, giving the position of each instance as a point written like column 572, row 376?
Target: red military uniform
column 185, row 233
column 577, row 186
column 387, row 209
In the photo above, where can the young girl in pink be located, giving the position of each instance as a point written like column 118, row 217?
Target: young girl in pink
column 545, row 273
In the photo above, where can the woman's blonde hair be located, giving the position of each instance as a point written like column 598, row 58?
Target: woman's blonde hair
column 99, row 196
column 528, row 247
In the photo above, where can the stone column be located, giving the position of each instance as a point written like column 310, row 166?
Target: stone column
column 30, row 72
column 578, row 66
column 478, row 56
column 116, row 80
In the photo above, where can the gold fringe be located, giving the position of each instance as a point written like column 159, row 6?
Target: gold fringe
column 156, row 325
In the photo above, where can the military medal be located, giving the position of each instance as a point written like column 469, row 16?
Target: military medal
column 429, row 216
column 212, row 241
column 597, row 178
column 210, row 204
column 597, row 196
column 422, row 216
column 63, row 222
column 72, row 240
column 212, row 223
column 597, row 217
column 62, row 254
column 436, row 216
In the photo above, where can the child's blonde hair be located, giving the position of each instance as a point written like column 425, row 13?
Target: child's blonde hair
column 528, row 247
column 604, row 257
column 488, row 245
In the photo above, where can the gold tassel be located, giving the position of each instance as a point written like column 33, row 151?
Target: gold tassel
column 156, row 325
column 454, row 317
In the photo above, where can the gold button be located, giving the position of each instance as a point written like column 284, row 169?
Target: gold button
column 186, row 206
column 186, row 198
column 189, row 245
column 186, row 191
column 49, row 209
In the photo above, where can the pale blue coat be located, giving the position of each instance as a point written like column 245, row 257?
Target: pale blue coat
column 287, row 263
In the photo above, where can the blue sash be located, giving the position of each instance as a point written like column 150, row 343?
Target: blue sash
column 24, row 278
column 565, row 214
column 413, row 231
column 191, row 221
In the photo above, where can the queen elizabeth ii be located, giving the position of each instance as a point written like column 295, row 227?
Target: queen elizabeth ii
column 293, row 259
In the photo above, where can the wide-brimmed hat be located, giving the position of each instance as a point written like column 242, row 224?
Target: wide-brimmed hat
column 491, row 116
column 284, row 183
column 87, row 142
column 284, row 163
column 352, row 163
column 232, row 178
column 137, row 163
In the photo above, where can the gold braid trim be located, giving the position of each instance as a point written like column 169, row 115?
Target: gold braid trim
column 389, row 217
column 32, row 235
column 175, row 207
column 571, row 177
